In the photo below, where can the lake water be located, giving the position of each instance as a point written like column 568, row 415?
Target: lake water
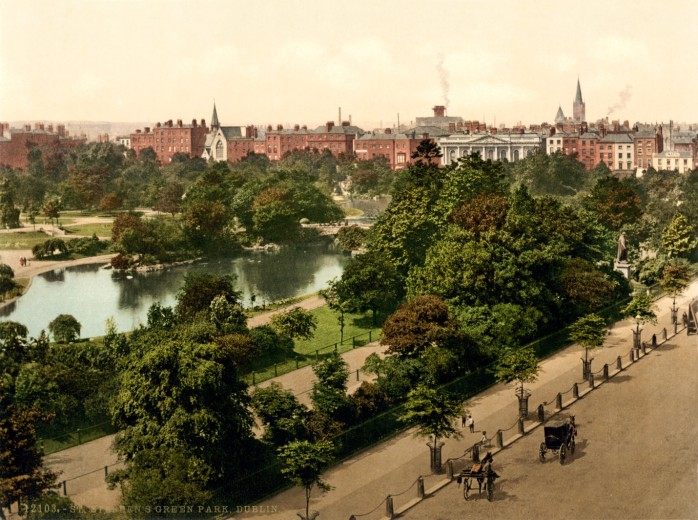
column 92, row 294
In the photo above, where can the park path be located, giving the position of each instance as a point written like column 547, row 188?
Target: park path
column 363, row 481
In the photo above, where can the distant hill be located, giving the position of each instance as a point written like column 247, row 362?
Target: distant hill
column 89, row 128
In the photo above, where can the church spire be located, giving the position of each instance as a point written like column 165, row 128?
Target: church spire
column 215, row 125
column 578, row 97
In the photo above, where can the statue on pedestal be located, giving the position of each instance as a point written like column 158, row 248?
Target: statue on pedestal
column 621, row 264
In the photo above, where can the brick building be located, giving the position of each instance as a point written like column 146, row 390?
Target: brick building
column 337, row 139
column 396, row 148
column 168, row 139
column 281, row 141
column 15, row 143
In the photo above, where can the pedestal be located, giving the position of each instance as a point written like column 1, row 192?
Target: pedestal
column 624, row 268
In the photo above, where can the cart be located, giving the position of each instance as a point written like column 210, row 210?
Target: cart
column 559, row 440
column 481, row 473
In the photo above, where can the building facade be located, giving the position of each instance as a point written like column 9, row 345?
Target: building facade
column 16, row 143
column 511, row 147
column 169, row 139
column 673, row 160
column 396, row 148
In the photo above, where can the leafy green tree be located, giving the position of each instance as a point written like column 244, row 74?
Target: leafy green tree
column 329, row 394
column 615, row 203
column 416, row 325
column 588, row 331
column 352, row 238
column 485, row 212
column 395, row 376
column 110, row 202
column 65, row 328
column 170, row 199
column 519, row 365
column 556, row 174
column 427, row 151
column 641, row 310
column 23, row 476
column 334, row 301
column 205, row 417
column 295, row 323
column 370, row 282
column 200, row 289
column 51, row 209
column 228, row 317
column 585, row 285
column 281, row 414
column 9, row 214
column 276, row 222
column 369, row 400
column 675, row 278
column 679, row 237
column 434, row 413
column 303, row 462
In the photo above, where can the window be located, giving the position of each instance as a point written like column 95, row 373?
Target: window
column 639, row 163
column 620, row 155
column 628, row 155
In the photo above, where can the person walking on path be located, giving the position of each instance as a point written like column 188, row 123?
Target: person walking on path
column 471, row 423
column 463, row 418
column 484, row 441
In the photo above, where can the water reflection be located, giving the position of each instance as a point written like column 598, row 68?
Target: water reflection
column 93, row 294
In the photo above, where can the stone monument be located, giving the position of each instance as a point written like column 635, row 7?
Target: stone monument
column 621, row 263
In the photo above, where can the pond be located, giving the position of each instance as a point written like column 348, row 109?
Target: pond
column 93, row 294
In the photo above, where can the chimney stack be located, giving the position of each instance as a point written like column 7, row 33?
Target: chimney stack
column 439, row 111
column 329, row 125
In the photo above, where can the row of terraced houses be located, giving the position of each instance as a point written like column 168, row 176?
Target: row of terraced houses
column 618, row 145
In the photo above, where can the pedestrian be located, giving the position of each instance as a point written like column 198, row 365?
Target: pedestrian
column 463, row 418
column 471, row 423
column 684, row 319
column 484, row 441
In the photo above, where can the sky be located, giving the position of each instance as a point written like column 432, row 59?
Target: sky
column 301, row 61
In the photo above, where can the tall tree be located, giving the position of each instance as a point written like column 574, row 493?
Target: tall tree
column 588, row 331
column 303, row 463
column 679, row 237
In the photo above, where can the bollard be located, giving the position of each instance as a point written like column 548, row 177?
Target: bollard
column 357, row 374
column 541, row 413
column 575, row 391
column 276, row 371
column 654, row 341
column 632, row 355
column 65, row 490
column 676, row 328
column 644, row 348
column 664, row 333
column 369, row 336
column 619, row 363
column 591, row 381
column 605, row 372
column 389, row 507
column 335, row 348
column 521, row 425
column 500, row 439
column 476, row 453
column 449, row 466
column 353, row 342
column 420, row 486
column 558, row 401
column 106, row 471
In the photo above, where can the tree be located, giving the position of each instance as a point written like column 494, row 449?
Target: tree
column 282, row 415
column 329, row 394
column 588, row 331
column 227, row 317
column 9, row 214
column 416, row 325
column 679, row 238
column 303, row 462
column 352, row 238
column 674, row 280
column 295, row 323
column 204, row 419
column 65, row 328
column 334, row 302
column 22, row 473
column 170, row 199
column 370, row 282
column 520, row 365
column 110, row 202
column 640, row 309
column 614, row 202
column 427, row 151
column 199, row 290
column 51, row 209
column 434, row 412
column 7, row 282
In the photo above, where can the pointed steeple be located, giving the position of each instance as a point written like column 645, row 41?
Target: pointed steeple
column 215, row 125
column 560, row 115
column 578, row 97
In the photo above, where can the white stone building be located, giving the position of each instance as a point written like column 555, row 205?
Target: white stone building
column 497, row 147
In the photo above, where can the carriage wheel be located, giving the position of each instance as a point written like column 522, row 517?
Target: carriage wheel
column 563, row 452
column 490, row 489
column 466, row 487
column 572, row 445
column 541, row 452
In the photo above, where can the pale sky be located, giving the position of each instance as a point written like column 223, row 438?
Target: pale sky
column 298, row 61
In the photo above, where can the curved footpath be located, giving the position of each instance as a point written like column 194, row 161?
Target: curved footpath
column 362, row 483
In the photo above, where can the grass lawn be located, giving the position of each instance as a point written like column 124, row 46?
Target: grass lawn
column 358, row 331
column 101, row 230
column 351, row 212
column 22, row 240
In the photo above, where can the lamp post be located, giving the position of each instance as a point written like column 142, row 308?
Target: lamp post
column 636, row 333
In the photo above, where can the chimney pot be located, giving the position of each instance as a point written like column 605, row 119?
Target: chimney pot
column 296, row 127
column 388, row 131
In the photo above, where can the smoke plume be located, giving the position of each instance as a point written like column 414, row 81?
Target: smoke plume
column 623, row 98
column 443, row 75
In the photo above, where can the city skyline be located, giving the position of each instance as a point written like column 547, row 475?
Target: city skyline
column 288, row 62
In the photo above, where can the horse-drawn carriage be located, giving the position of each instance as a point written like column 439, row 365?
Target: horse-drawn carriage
column 481, row 472
column 558, row 439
